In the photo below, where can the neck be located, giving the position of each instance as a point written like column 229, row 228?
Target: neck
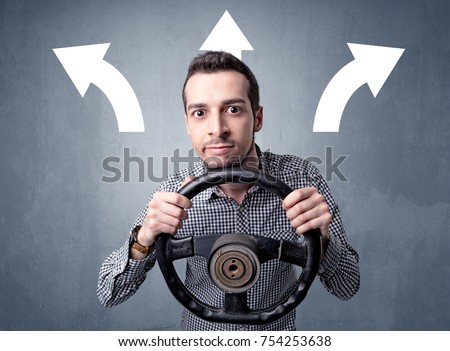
column 237, row 191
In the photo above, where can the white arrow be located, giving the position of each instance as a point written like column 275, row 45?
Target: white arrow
column 372, row 65
column 85, row 65
column 227, row 36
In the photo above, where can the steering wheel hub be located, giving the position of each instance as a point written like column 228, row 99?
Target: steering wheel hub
column 234, row 265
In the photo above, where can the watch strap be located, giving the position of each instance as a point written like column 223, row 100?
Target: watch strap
column 137, row 245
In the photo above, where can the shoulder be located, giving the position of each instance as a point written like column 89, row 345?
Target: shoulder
column 297, row 173
column 293, row 170
column 280, row 164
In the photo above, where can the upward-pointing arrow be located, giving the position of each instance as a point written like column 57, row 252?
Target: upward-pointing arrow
column 227, row 36
column 372, row 65
column 85, row 65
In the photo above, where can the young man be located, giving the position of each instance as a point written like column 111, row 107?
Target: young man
column 222, row 113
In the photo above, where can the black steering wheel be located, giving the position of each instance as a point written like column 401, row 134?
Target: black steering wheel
column 234, row 259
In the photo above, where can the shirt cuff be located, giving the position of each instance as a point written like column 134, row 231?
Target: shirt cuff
column 129, row 266
column 331, row 259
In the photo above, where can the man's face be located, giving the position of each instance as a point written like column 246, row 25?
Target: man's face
column 219, row 117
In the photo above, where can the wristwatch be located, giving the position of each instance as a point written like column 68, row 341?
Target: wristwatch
column 138, row 246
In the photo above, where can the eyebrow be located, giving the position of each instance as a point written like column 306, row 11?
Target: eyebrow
column 196, row 106
column 234, row 101
column 225, row 102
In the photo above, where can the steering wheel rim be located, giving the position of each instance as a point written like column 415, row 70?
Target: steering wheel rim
column 235, row 310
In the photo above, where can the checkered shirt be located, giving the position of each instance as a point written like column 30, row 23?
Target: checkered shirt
column 260, row 213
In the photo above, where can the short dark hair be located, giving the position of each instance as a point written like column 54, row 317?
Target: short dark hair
column 216, row 61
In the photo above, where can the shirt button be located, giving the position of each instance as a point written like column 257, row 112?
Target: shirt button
column 241, row 209
column 242, row 328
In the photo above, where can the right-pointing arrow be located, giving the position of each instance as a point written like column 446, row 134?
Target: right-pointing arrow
column 372, row 65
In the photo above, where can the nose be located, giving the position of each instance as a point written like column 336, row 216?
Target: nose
column 218, row 126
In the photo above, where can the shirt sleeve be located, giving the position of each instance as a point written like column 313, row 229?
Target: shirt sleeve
column 120, row 276
column 339, row 269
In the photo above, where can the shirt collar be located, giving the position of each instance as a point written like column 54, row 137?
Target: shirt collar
column 200, row 168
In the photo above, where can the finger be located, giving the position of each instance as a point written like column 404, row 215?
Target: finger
column 312, row 224
column 169, row 209
column 321, row 222
column 304, row 217
column 315, row 200
column 173, row 198
column 300, row 208
column 297, row 196
column 164, row 219
column 316, row 211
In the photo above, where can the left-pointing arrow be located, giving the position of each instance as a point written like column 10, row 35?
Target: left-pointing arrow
column 85, row 65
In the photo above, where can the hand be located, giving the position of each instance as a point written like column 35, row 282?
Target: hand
column 166, row 213
column 307, row 209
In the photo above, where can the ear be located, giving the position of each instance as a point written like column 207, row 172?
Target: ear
column 258, row 119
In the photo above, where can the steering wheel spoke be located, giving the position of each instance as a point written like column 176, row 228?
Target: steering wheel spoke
column 180, row 248
column 235, row 303
column 293, row 252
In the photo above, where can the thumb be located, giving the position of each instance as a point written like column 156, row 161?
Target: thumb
column 186, row 181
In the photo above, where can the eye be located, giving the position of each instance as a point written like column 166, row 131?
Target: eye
column 199, row 113
column 233, row 109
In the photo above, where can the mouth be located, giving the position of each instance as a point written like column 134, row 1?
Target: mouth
column 219, row 149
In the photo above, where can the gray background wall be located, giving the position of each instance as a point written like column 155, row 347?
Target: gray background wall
column 59, row 220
